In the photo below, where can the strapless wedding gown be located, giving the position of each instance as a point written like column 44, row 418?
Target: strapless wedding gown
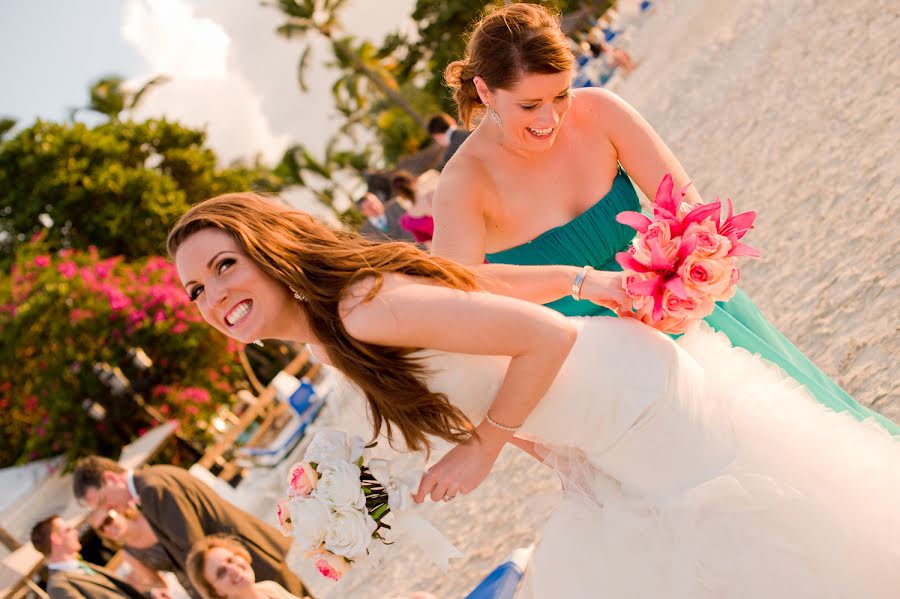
column 693, row 469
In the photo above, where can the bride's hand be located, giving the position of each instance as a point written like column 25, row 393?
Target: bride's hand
column 461, row 470
column 605, row 288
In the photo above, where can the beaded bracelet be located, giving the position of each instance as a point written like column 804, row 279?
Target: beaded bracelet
column 502, row 427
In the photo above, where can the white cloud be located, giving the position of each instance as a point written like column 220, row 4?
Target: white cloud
column 204, row 90
column 232, row 74
column 173, row 41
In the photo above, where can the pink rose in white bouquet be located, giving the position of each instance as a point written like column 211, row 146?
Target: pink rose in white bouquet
column 683, row 260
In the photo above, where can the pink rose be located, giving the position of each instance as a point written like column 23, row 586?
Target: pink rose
column 729, row 293
column 332, row 566
column 658, row 234
column 692, row 307
column 668, row 324
column 302, row 479
column 284, row 517
column 705, row 276
column 709, row 243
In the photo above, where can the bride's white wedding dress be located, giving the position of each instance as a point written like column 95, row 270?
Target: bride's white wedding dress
column 694, row 470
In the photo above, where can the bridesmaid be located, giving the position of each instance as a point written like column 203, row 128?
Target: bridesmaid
column 540, row 180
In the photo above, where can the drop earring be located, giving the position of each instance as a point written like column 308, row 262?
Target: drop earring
column 258, row 342
column 494, row 115
column 297, row 295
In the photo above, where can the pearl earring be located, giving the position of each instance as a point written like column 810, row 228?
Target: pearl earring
column 494, row 115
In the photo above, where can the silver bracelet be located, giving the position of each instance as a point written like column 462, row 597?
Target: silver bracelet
column 502, row 427
column 578, row 283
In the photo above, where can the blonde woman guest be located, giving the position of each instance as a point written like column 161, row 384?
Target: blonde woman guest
column 219, row 568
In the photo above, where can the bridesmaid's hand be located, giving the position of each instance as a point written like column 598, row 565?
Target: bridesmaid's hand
column 461, row 470
column 606, row 289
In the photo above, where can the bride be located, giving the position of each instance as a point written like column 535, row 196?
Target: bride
column 678, row 485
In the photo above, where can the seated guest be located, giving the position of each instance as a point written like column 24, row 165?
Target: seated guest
column 445, row 131
column 71, row 578
column 143, row 554
column 219, row 568
column 382, row 219
column 181, row 510
column 418, row 194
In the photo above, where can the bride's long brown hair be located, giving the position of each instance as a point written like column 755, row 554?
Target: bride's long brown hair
column 322, row 263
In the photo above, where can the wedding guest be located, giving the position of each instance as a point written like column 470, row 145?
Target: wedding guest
column 219, row 568
column 142, row 552
column 416, row 194
column 382, row 219
column 445, row 131
column 181, row 510
column 71, row 578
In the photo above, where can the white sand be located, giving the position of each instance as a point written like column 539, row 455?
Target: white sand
column 791, row 108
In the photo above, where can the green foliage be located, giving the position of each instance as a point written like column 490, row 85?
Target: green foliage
column 63, row 311
column 118, row 186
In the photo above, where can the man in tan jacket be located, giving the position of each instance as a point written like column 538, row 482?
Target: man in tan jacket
column 71, row 578
column 182, row 510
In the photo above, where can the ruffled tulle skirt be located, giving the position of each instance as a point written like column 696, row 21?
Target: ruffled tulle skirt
column 736, row 484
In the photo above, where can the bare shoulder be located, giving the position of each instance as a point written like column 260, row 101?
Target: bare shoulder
column 595, row 101
column 364, row 309
column 463, row 182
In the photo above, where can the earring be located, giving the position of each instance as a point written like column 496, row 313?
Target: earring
column 494, row 115
column 297, row 295
column 258, row 342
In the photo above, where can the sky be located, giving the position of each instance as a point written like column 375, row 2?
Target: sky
column 230, row 72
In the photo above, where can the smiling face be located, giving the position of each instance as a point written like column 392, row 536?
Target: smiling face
column 532, row 110
column 228, row 573
column 233, row 294
column 64, row 538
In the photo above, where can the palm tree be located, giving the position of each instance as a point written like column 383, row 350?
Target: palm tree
column 328, row 178
column 361, row 63
column 109, row 97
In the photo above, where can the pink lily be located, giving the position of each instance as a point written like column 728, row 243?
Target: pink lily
column 736, row 227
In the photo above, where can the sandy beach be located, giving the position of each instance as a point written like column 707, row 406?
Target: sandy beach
column 791, row 109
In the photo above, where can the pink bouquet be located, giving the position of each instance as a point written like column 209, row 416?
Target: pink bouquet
column 683, row 260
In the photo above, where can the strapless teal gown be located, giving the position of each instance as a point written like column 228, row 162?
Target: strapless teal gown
column 595, row 237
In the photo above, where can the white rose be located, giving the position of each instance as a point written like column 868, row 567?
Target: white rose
column 327, row 447
column 350, row 533
column 332, row 446
column 310, row 518
column 339, row 486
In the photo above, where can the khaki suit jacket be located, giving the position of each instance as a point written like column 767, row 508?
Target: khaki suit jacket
column 77, row 584
column 182, row 510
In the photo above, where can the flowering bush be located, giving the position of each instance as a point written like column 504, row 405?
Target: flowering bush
column 62, row 312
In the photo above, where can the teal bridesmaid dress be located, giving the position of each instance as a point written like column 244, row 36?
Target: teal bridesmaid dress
column 595, row 237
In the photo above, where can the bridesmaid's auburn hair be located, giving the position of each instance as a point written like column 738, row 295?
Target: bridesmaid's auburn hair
column 508, row 42
column 322, row 263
